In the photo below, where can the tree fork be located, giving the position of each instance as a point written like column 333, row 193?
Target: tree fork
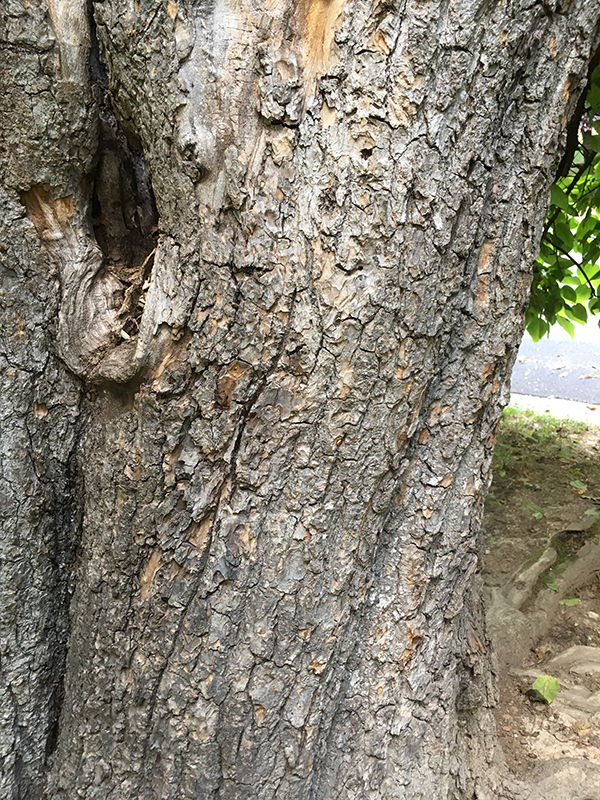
column 281, row 469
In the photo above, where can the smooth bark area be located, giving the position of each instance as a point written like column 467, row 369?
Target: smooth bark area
column 264, row 272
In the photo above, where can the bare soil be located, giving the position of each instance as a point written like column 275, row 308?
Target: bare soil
column 546, row 477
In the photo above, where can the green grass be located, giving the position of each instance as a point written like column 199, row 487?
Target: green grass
column 526, row 438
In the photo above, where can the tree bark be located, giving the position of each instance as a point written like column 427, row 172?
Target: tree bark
column 265, row 272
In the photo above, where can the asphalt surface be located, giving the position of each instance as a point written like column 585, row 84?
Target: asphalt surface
column 561, row 367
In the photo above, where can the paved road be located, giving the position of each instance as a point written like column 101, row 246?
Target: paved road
column 561, row 366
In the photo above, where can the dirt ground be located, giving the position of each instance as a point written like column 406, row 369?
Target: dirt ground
column 542, row 576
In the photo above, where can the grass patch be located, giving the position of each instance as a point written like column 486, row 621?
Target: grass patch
column 526, row 438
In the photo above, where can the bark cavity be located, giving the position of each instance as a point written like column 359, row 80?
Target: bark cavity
column 123, row 207
column 102, row 237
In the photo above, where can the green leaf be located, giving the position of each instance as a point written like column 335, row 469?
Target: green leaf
column 549, row 583
column 567, row 325
column 583, row 293
column 577, row 312
column 572, row 279
column 568, row 601
column 588, row 224
column 563, row 232
column 592, row 512
column 579, row 485
column 560, row 199
column 569, row 294
column 547, row 686
column 537, row 512
column 537, row 328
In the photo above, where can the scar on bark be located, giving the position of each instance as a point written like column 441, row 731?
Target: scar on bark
column 102, row 298
column 288, row 72
column 49, row 215
column 102, row 235
column 319, row 20
column 151, row 567
column 102, row 240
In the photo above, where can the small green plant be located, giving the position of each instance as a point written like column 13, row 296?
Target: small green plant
column 536, row 511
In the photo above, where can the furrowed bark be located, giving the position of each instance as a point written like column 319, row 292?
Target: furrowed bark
column 282, row 462
column 47, row 138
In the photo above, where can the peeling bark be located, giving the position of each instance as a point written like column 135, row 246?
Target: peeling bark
column 280, row 366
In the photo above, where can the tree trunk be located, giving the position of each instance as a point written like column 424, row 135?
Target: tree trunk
column 249, row 408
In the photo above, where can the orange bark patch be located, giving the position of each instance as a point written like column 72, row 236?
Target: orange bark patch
column 200, row 533
column 401, row 439
column 483, row 292
column 19, row 326
column 320, row 19
column 226, row 383
column 174, row 353
column 424, row 436
column 381, row 43
column 485, row 255
column 346, row 374
column 151, row 567
column 447, row 480
column 567, row 89
column 169, row 463
column 134, row 473
column 475, row 642
column 488, row 371
column 49, row 214
column 413, row 642
column 40, row 410
column 245, row 540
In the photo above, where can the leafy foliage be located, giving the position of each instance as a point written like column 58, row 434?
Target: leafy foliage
column 567, row 275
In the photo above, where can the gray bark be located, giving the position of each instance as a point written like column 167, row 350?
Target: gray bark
column 247, row 425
